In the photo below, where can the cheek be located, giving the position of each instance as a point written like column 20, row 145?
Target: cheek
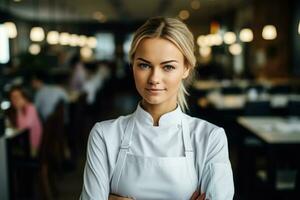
column 139, row 78
column 14, row 102
column 173, row 81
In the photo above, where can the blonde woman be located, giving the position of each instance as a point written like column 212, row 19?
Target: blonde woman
column 159, row 152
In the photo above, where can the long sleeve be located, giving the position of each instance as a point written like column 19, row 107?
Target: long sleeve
column 217, row 179
column 96, row 173
column 30, row 120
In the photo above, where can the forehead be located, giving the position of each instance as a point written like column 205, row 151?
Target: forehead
column 158, row 49
column 15, row 93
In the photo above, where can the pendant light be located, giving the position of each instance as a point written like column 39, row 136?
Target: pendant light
column 269, row 32
column 11, row 29
column 246, row 35
column 37, row 33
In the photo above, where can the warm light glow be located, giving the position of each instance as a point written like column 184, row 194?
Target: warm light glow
column 218, row 40
column 202, row 41
column 195, row 4
column 34, row 49
column 86, row 52
column 82, row 40
column 11, row 29
column 91, row 42
column 269, row 32
column 205, row 51
column 37, row 34
column 64, row 38
column 299, row 28
column 214, row 27
column 99, row 16
column 229, row 37
column 246, row 35
column 235, row 49
column 53, row 37
column 184, row 14
column 74, row 40
column 214, row 39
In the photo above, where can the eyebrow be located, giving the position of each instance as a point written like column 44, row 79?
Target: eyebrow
column 165, row 62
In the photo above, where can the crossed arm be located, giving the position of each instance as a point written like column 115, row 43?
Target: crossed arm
column 196, row 196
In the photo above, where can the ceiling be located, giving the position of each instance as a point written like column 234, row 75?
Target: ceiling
column 114, row 10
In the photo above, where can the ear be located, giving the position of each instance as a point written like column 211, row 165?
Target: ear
column 186, row 72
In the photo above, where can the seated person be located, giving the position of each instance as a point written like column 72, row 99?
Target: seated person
column 23, row 115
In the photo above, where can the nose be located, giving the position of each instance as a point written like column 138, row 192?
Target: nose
column 155, row 77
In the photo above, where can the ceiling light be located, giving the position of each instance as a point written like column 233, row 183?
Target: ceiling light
column 64, row 38
column 53, row 37
column 34, row 49
column 82, row 40
column 214, row 39
column 269, row 32
column 202, row 41
column 11, row 29
column 229, row 37
column 99, row 16
column 205, row 51
column 195, row 4
column 91, row 42
column 74, row 40
column 235, row 49
column 37, row 34
column 184, row 14
column 246, row 35
column 86, row 52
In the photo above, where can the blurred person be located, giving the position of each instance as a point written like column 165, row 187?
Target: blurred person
column 47, row 96
column 95, row 82
column 23, row 115
column 79, row 74
column 159, row 152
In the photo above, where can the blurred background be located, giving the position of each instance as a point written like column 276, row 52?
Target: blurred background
column 64, row 67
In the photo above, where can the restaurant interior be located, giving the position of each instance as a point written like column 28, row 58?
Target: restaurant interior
column 247, row 80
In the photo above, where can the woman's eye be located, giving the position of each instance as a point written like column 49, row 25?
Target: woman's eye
column 169, row 67
column 143, row 65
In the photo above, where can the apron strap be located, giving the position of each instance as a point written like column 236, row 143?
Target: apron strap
column 125, row 145
column 189, row 152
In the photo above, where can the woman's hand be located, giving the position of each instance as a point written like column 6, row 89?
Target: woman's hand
column 115, row 197
column 197, row 196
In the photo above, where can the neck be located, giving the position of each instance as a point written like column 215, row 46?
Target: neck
column 157, row 110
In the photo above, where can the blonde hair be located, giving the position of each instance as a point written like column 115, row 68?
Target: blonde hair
column 178, row 33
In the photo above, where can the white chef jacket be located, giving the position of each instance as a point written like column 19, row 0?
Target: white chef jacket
column 209, row 143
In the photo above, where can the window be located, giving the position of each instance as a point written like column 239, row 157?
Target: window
column 4, row 44
column 105, row 49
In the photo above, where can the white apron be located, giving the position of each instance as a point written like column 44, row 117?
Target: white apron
column 152, row 178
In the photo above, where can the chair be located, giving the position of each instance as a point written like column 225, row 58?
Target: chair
column 22, row 166
column 52, row 151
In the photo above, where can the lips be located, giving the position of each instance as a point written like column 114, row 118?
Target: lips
column 155, row 91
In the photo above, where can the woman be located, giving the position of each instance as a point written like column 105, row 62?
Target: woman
column 23, row 115
column 158, row 152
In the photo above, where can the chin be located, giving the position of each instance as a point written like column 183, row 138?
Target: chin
column 153, row 100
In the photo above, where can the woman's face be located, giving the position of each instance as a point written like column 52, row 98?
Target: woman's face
column 17, row 99
column 158, row 68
